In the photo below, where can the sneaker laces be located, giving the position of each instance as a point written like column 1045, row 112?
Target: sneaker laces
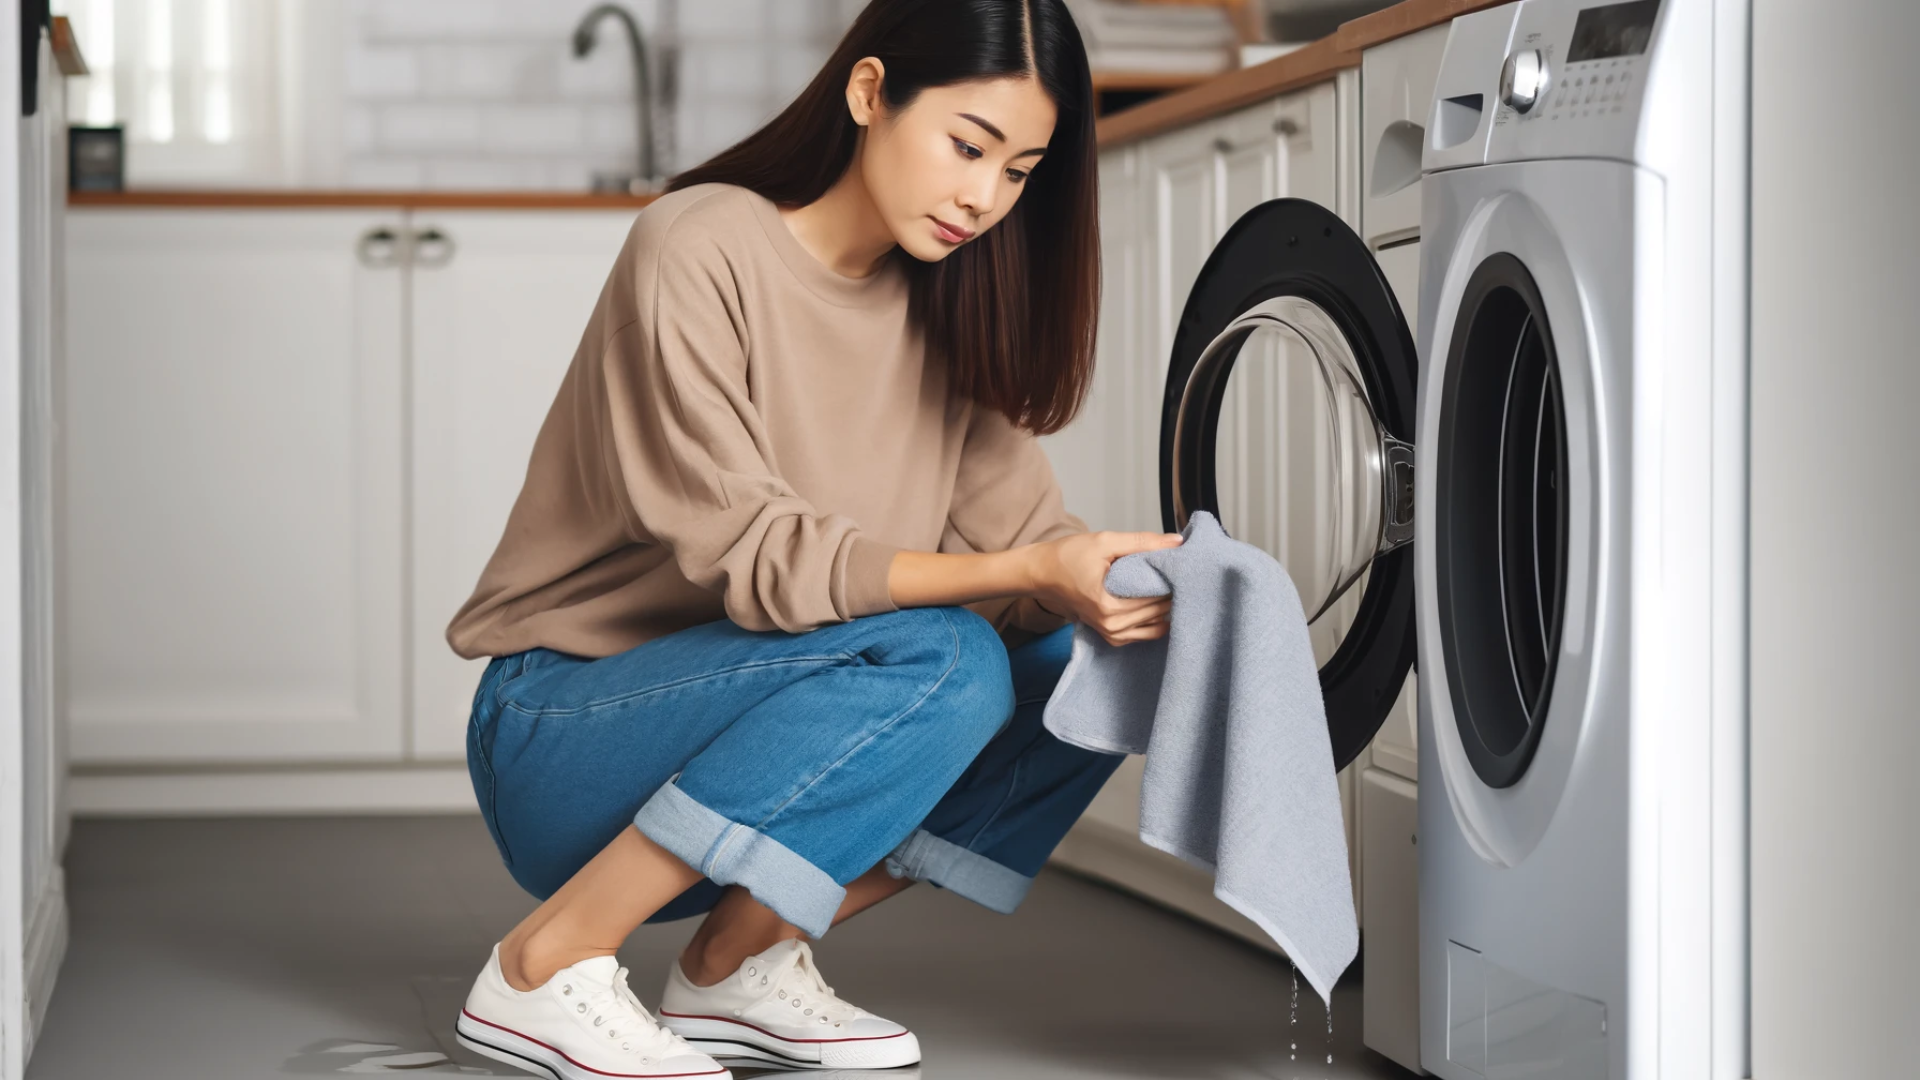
column 798, row 983
column 614, row 1009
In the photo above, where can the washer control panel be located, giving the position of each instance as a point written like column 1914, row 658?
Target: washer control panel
column 1594, row 88
column 1573, row 80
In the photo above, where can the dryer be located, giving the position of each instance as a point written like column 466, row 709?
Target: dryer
column 1543, row 501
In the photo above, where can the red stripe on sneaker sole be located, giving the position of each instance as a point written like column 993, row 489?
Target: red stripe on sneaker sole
column 589, row 1068
column 782, row 1038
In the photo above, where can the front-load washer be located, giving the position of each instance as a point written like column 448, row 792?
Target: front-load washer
column 1582, row 878
column 1544, row 502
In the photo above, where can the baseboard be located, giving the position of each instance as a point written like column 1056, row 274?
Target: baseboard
column 46, row 947
column 418, row 789
column 1116, row 856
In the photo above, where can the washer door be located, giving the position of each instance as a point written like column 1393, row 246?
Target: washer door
column 1289, row 403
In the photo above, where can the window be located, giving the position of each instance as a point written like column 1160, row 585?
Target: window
column 195, row 82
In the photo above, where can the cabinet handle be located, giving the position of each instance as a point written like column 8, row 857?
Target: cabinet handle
column 432, row 248
column 379, row 248
column 1286, row 126
column 1223, row 145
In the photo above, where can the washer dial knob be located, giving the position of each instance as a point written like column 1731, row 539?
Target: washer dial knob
column 1523, row 80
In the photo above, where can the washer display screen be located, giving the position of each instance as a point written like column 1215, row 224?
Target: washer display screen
column 1613, row 30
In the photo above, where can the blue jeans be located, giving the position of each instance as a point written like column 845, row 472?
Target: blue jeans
column 790, row 764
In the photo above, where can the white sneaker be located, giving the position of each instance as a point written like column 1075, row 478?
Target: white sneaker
column 777, row 1008
column 584, row 1024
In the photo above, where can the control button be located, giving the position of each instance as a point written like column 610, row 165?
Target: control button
column 1523, row 79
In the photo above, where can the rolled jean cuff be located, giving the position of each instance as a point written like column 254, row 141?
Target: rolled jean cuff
column 925, row 857
column 730, row 853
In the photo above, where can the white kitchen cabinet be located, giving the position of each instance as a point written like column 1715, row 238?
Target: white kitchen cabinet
column 234, row 515
column 499, row 305
column 294, row 437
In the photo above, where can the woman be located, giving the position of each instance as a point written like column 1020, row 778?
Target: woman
column 788, row 584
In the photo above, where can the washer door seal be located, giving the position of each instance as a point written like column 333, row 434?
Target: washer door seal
column 1295, row 248
column 1501, row 531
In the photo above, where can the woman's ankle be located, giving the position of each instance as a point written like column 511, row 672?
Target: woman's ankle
column 528, row 961
column 707, row 959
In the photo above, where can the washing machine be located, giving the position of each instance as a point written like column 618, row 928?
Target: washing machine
column 1538, row 493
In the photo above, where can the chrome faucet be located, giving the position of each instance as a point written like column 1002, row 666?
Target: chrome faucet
column 583, row 41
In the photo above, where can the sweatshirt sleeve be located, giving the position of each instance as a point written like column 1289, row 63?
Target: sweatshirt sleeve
column 1006, row 497
column 686, row 441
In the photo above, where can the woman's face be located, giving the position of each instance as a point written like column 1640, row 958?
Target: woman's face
column 951, row 165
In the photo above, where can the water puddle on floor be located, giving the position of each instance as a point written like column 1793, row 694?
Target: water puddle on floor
column 440, row 998
column 346, row 1056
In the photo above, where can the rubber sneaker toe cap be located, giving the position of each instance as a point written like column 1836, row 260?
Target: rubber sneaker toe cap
column 899, row 1047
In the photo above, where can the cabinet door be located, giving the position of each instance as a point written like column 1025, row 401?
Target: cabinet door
column 1088, row 454
column 500, row 300
column 1180, row 202
column 233, row 522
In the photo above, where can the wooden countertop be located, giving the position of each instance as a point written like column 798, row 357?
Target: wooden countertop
column 1224, row 93
column 1303, row 67
column 393, row 200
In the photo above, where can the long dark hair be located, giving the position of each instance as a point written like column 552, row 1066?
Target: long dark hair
column 1011, row 313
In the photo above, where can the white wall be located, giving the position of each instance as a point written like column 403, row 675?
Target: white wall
column 487, row 94
column 14, row 1028
column 1836, row 590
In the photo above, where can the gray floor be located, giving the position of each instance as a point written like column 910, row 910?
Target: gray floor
column 232, row 949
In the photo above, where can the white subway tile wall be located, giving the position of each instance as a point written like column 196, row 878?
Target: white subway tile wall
column 486, row 94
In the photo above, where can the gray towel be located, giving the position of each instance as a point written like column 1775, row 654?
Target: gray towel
column 1239, row 775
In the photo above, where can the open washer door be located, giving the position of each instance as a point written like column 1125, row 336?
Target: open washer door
column 1289, row 405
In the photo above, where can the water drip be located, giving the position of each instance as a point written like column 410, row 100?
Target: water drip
column 1293, row 1021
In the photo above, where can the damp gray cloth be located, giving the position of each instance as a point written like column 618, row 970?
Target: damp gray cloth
column 1227, row 708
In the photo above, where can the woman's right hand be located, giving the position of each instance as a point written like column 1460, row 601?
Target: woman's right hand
column 1069, row 579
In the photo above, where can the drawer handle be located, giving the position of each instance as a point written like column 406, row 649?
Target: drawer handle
column 379, row 248
column 432, row 248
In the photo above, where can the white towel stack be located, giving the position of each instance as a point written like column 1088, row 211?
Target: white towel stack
column 1172, row 39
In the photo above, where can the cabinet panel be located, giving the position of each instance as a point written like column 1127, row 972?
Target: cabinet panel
column 234, row 507
column 1179, row 174
column 1390, row 910
column 1088, row 454
column 496, row 321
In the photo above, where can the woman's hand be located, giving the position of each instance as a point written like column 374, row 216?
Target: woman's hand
column 1068, row 577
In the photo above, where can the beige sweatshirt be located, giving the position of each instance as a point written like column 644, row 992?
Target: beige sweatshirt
column 746, row 434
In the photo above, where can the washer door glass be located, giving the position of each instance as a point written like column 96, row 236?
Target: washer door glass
column 1302, row 467
column 1289, row 400
column 1501, row 528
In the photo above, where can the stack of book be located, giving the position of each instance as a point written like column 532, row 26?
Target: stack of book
column 1124, row 36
